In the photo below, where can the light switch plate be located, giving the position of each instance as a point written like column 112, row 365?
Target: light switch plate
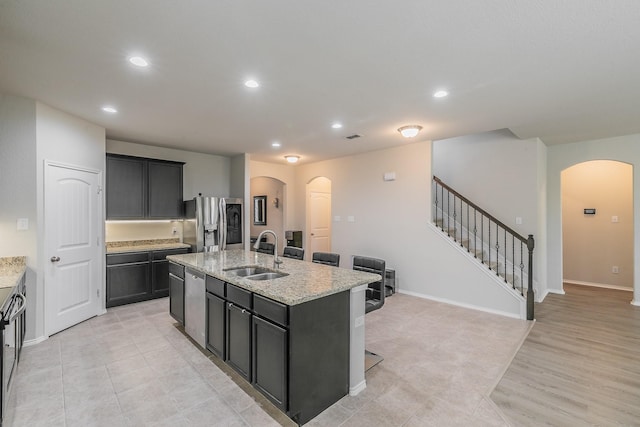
column 351, row 218
column 22, row 224
column 614, row 218
column 519, row 220
column 337, row 218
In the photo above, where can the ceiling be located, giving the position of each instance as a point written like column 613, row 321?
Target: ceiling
column 562, row 71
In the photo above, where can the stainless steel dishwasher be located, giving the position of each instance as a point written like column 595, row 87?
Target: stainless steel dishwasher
column 195, row 303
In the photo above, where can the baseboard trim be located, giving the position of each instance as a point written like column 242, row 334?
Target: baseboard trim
column 35, row 341
column 597, row 285
column 460, row 304
column 353, row 391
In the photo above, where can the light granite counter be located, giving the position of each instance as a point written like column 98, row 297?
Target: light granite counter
column 144, row 245
column 306, row 281
column 11, row 270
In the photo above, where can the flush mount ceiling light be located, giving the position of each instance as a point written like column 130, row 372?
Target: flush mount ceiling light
column 251, row 84
column 139, row 61
column 336, row 125
column 275, row 144
column 440, row 94
column 410, row 131
column 109, row 109
column 292, row 159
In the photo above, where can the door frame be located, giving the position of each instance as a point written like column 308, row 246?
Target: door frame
column 101, row 309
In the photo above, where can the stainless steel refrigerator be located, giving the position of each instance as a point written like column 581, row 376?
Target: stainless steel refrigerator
column 213, row 224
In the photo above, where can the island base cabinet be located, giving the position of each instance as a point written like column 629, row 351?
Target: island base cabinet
column 318, row 355
column 239, row 340
column 216, row 325
column 270, row 361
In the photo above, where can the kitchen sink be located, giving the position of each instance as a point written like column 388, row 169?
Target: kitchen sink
column 255, row 273
column 247, row 271
column 266, row 276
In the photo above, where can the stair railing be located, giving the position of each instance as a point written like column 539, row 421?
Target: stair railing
column 477, row 230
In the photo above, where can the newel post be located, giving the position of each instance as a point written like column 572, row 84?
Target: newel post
column 530, row 246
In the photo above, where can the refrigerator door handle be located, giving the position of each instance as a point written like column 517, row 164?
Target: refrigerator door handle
column 223, row 224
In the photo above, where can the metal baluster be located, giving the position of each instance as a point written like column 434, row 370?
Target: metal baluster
column 475, row 232
column 448, row 211
column 513, row 260
column 504, row 248
column 521, row 269
column 497, row 250
column 435, row 215
column 468, row 240
column 489, row 243
column 482, row 234
column 455, row 224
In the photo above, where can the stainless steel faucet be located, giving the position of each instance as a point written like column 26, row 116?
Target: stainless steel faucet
column 276, row 261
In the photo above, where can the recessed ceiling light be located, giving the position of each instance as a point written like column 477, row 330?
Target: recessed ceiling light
column 275, row 144
column 336, row 125
column 139, row 61
column 292, row 159
column 440, row 94
column 251, row 84
column 109, row 109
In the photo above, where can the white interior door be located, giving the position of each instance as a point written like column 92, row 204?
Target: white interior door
column 73, row 255
column 319, row 227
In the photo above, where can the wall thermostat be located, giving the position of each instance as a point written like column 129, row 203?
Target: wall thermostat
column 590, row 211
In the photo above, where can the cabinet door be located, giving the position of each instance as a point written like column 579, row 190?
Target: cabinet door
column 128, row 283
column 165, row 190
column 126, row 187
column 239, row 340
column 270, row 361
column 159, row 279
column 176, row 298
column 216, row 325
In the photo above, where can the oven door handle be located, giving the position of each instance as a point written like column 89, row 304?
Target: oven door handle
column 23, row 305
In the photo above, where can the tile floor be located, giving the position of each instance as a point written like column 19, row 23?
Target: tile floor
column 133, row 367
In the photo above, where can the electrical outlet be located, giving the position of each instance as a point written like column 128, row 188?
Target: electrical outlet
column 615, row 269
column 174, row 230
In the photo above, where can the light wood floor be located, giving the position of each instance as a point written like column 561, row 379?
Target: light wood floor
column 580, row 364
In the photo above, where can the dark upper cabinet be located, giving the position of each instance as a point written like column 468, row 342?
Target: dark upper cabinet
column 126, row 187
column 139, row 188
column 165, row 190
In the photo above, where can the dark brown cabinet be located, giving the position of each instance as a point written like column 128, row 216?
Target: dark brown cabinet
column 282, row 349
column 138, row 276
column 176, row 294
column 270, row 361
column 239, row 330
column 216, row 317
column 139, row 188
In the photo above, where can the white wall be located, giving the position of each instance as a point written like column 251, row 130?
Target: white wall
column 202, row 173
column 392, row 223
column 18, row 176
column 272, row 188
column 623, row 149
column 503, row 175
column 67, row 139
column 18, row 189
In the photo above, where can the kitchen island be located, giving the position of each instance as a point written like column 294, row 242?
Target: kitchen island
column 298, row 339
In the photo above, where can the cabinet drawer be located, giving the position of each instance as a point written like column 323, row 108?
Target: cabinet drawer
column 269, row 309
column 160, row 255
column 215, row 286
column 176, row 269
column 127, row 258
column 238, row 296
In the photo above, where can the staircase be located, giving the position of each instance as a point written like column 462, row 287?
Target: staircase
column 488, row 240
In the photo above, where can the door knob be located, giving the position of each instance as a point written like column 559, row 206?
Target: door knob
column 55, row 258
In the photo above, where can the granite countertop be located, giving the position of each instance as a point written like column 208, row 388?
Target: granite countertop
column 11, row 270
column 144, row 245
column 306, row 280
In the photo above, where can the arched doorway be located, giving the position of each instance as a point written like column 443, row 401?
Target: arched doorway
column 597, row 224
column 318, row 216
column 274, row 190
